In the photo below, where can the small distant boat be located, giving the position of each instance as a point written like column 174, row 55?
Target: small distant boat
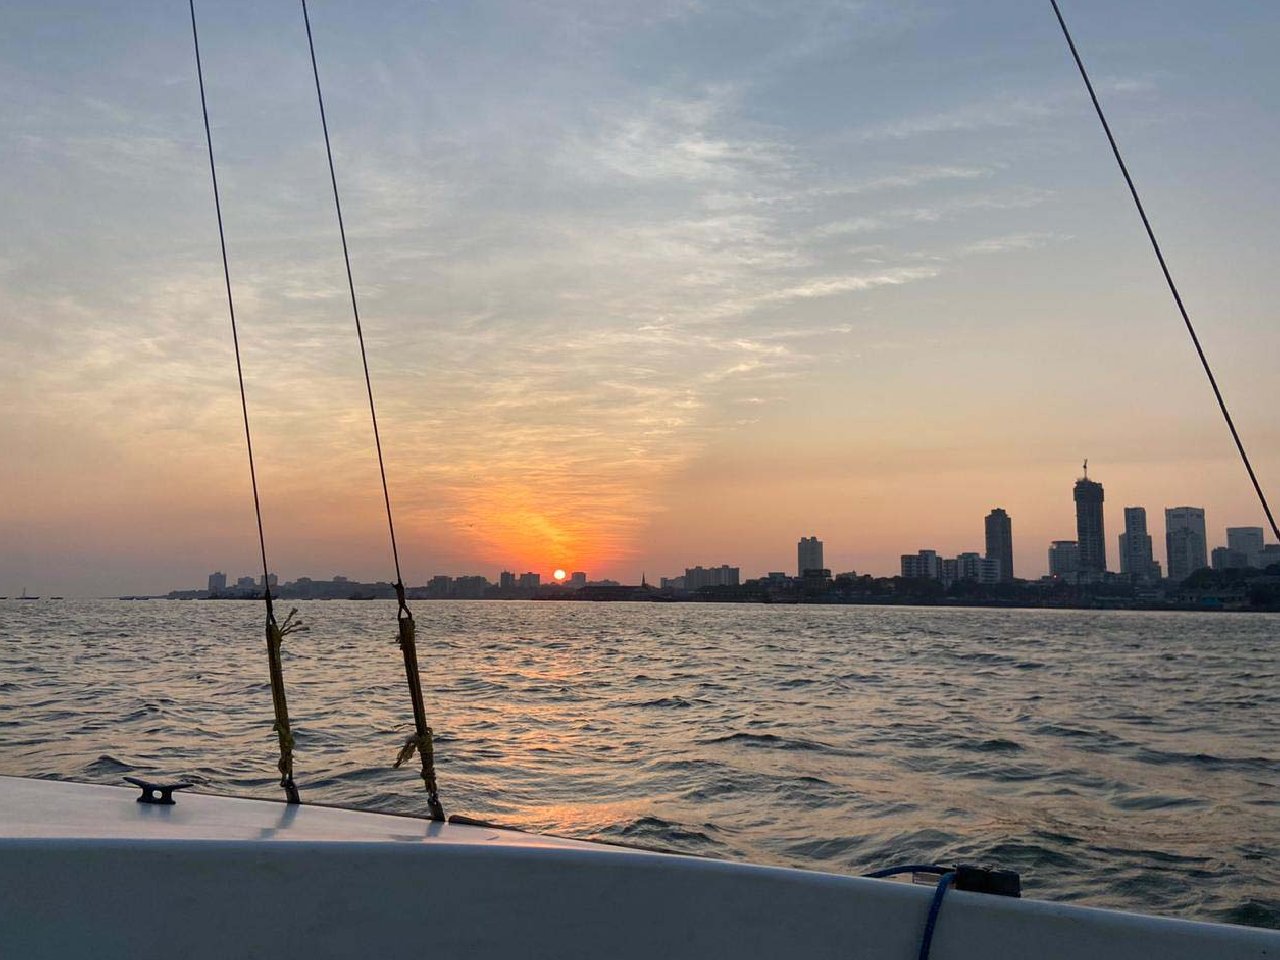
column 25, row 597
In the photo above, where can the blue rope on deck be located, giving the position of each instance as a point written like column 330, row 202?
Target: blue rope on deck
column 946, row 880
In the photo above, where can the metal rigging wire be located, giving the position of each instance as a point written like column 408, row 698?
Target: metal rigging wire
column 274, row 631
column 421, row 742
column 1164, row 268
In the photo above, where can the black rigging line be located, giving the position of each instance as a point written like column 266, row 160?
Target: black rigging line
column 421, row 742
column 1177, row 297
column 274, row 632
column 351, row 287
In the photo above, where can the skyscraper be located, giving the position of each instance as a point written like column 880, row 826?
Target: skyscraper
column 1185, row 541
column 1136, row 559
column 1090, row 531
column 1000, row 542
column 218, row 582
column 808, row 555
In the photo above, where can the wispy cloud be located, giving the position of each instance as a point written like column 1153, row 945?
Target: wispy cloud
column 912, row 176
column 1013, row 241
column 1011, row 199
column 668, row 138
column 992, row 114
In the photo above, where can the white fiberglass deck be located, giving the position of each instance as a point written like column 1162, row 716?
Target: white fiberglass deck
column 87, row 871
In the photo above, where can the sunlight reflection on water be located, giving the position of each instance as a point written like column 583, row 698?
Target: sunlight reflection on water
column 1119, row 759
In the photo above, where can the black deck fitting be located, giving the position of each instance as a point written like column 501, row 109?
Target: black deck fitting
column 161, row 793
column 1002, row 883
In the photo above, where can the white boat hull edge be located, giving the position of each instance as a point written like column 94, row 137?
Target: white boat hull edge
column 85, row 871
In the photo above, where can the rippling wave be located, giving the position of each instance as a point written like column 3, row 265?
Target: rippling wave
column 1118, row 759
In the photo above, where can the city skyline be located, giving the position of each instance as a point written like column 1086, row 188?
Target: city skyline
column 1185, row 549
column 641, row 284
column 1241, row 543
column 994, row 534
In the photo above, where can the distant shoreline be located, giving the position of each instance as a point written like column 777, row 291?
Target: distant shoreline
column 1141, row 607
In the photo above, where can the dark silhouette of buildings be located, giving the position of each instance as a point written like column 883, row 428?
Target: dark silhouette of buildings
column 1090, row 530
column 1000, row 542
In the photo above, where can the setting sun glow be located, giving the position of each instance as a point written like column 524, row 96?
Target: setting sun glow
column 559, row 576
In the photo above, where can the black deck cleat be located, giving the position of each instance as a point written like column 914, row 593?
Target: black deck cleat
column 161, row 793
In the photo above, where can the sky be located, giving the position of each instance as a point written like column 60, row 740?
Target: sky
column 644, row 285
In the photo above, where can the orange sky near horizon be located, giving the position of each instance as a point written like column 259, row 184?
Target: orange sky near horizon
column 657, row 295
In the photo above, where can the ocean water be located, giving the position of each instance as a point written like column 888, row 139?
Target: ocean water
column 1116, row 759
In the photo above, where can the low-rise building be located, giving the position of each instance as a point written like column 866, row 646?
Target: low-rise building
column 1224, row 558
column 469, row 587
column 695, row 578
column 1064, row 559
column 922, row 565
column 1248, row 541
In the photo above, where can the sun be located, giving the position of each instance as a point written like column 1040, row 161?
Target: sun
column 559, row 576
